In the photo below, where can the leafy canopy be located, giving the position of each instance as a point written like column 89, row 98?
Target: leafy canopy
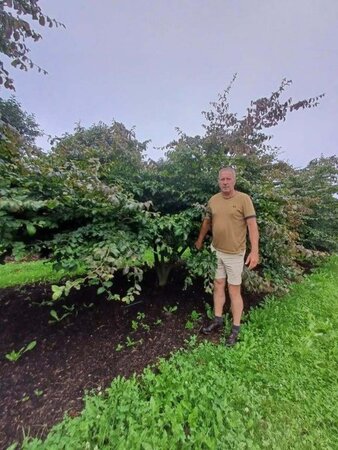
column 12, row 114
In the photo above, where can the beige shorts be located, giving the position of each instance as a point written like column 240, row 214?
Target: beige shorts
column 229, row 266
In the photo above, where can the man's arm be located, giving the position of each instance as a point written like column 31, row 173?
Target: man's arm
column 253, row 257
column 203, row 231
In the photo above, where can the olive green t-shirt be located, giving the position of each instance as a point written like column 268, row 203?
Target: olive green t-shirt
column 228, row 221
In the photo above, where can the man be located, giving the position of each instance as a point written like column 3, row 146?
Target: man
column 229, row 215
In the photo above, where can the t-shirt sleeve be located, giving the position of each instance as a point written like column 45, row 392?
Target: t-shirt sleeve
column 248, row 208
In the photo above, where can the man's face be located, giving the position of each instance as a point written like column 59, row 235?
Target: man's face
column 226, row 182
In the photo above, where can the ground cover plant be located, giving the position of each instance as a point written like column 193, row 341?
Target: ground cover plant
column 15, row 355
column 277, row 388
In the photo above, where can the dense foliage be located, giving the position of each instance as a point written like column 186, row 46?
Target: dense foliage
column 94, row 203
column 12, row 114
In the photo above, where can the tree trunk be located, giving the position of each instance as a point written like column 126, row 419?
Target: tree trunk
column 163, row 270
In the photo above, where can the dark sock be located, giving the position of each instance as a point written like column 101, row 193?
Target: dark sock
column 235, row 328
column 219, row 319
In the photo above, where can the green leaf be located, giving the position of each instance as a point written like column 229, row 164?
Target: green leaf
column 57, row 291
column 54, row 314
column 30, row 346
column 31, row 230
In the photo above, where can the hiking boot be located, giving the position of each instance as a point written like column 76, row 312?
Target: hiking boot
column 232, row 339
column 215, row 325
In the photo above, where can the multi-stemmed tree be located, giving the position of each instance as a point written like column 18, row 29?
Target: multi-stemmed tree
column 93, row 203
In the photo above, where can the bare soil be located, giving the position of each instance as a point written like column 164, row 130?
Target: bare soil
column 81, row 353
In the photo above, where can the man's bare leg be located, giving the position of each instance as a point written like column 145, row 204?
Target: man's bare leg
column 219, row 296
column 219, row 300
column 236, row 303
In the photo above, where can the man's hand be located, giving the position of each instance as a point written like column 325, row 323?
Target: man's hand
column 252, row 260
column 198, row 244
column 205, row 227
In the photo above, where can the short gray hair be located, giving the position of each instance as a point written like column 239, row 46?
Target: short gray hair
column 227, row 169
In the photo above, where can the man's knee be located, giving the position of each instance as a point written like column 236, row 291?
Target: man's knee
column 219, row 283
column 234, row 290
column 234, row 287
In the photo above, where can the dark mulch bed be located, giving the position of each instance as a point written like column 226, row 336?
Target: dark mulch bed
column 79, row 353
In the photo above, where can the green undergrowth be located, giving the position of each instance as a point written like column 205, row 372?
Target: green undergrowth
column 276, row 389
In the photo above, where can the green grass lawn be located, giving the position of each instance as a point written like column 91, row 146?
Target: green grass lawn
column 276, row 389
column 20, row 273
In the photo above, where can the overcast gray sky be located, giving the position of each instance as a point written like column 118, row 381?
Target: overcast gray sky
column 156, row 64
